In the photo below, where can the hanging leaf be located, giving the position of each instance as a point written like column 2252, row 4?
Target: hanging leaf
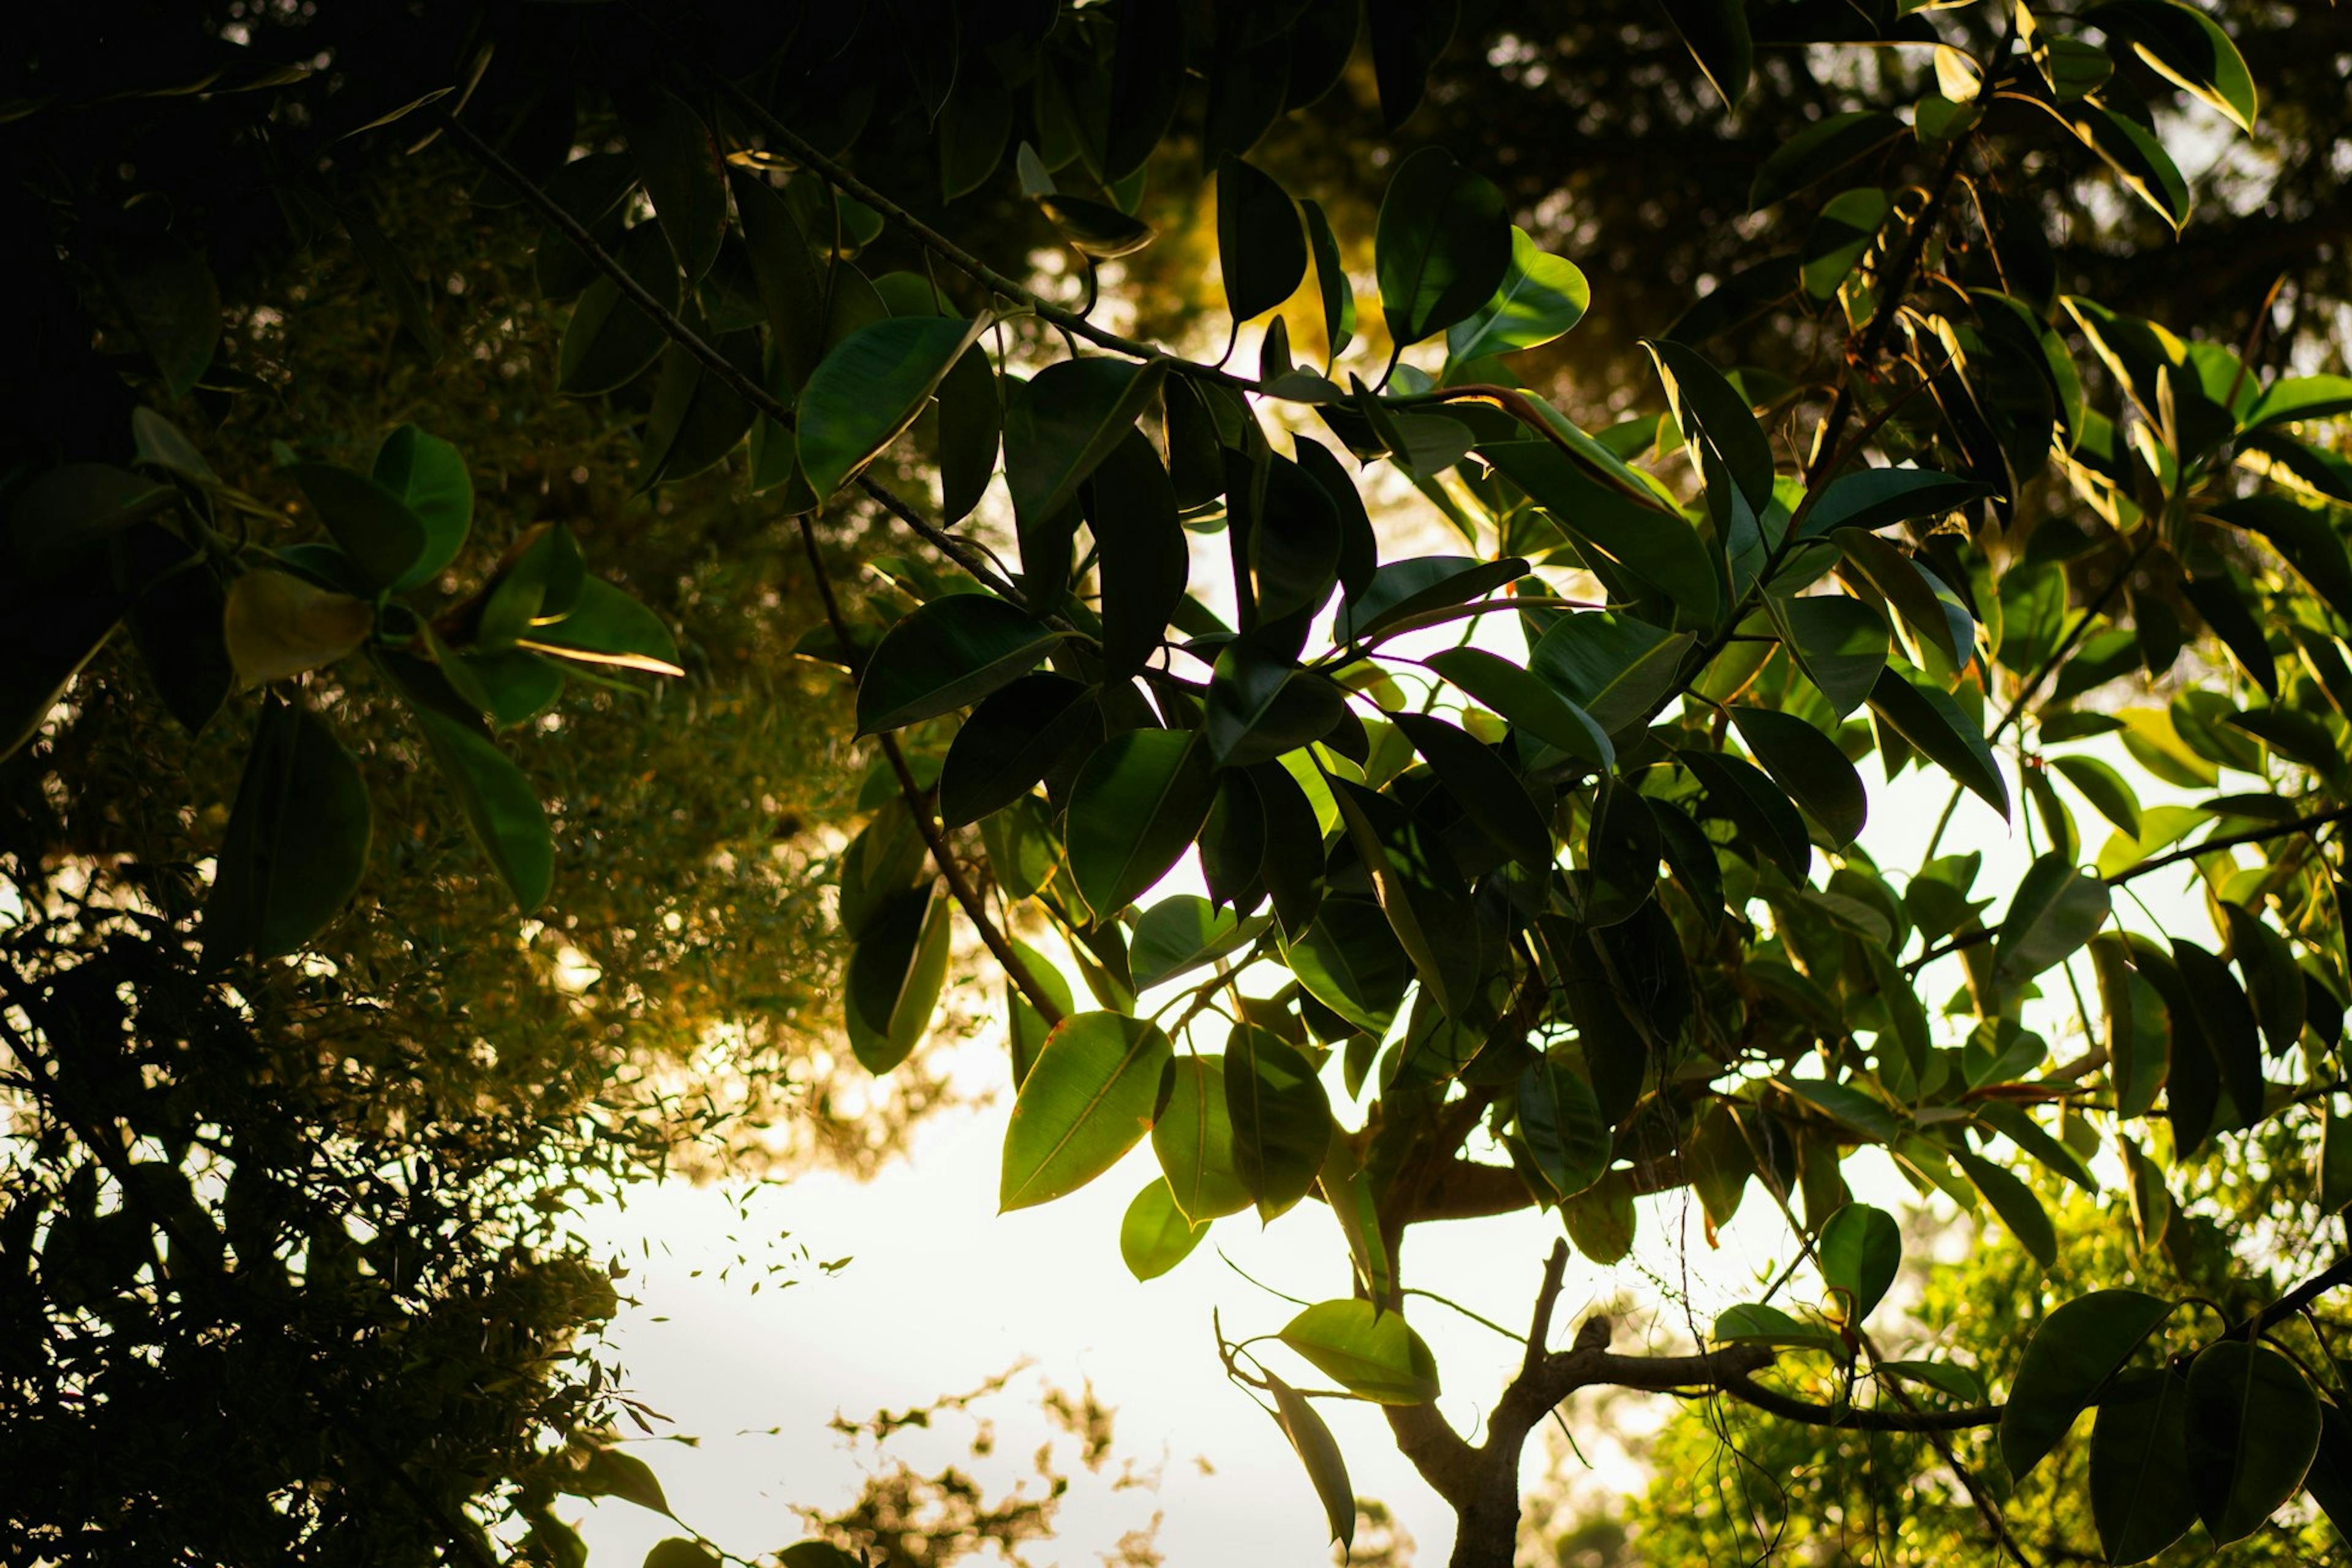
column 895, row 970
column 610, row 340
column 1860, row 1250
column 1715, row 417
column 276, row 625
column 1193, row 1138
column 1407, row 36
column 1525, row 702
column 1331, row 282
column 604, row 626
column 1927, row 719
column 1012, row 740
column 375, row 527
column 298, row 839
column 1319, row 1453
column 2143, row 1498
column 1281, row 1119
column 1086, row 1102
column 501, row 806
column 972, row 419
column 1840, row 642
column 679, row 167
column 1260, row 246
column 2186, row 47
column 1145, row 561
column 1154, row 1237
column 1560, row 1122
column 1873, row 498
column 1350, row 961
column 1716, row 33
column 1063, row 422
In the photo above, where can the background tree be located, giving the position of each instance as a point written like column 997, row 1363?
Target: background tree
column 1548, row 855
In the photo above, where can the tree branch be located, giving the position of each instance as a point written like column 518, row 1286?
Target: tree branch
column 1849, row 1418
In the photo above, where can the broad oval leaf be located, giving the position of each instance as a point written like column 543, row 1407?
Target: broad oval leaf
column 1808, row 765
column 1560, row 1122
column 1012, row 739
column 1086, row 1101
column 298, row 838
column 1137, row 804
column 2253, row 1425
column 944, row 655
column 383, row 539
column 2143, row 1498
column 869, row 388
column 1839, row 642
column 1281, row 1118
column 2055, row 911
column 2077, row 1350
column 428, row 476
column 1861, row 1249
column 1154, row 1237
column 1370, row 1351
column 276, row 625
column 1542, row 296
column 1261, row 247
column 2187, row 46
column 1063, row 421
column 1442, row 246
column 1193, row 1137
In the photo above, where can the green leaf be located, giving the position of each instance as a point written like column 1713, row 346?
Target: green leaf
column 1331, row 282
column 428, row 476
column 677, row 1552
column 172, row 301
column 1134, row 810
column 375, row 527
column 1560, row 1122
column 678, row 165
column 1087, row 1101
column 2298, row 398
column 1403, row 589
column 2138, row 1027
column 1766, row 821
column 1839, row 237
column 2077, row 1350
column 945, row 655
column 1349, row 960
column 1612, row 666
column 607, row 628
column 1525, row 702
column 1873, row 498
column 1193, row 1138
column 2105, row 788
column 2014, row 1202
column 696, row 419
column 1541, row 298
column 1181, row 932
column 1407, row 36
column 1489, row 794
column 2142, row 1494
column 1063, row 422
column 895, row 970
column 1371, row 1352
column 1923, row 603
column 2186, row 47
column 610, row 341
column 1096, row 229
column 784, row 272
column 1924, row 715
column 1819, row 151
column 1260, row 246
column 1012, row 740
column 2138, row 158
column 1143, row 552
column 1808, row 766
column 870, row 387
column 1280, row 1116
column 1860, row 1250
column 1442, row 246
column 1319, row 1453
column 2253, row 1425
column 1420, row 889
column 972, row 420
column 2303, row 536
column 1154, row 1237
column 1840, row 642
column 2055, row 911
column 1655, row 545
column 1716, row 33
column 1753, row 1324
column 501, row 805
column 1715, row 417
column 298, row 839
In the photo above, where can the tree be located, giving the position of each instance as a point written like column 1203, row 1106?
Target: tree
column 1551, row 851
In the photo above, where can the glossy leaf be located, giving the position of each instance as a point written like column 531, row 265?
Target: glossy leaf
column 1525, row 702
column 604, row 626
column 1541, row 298
column 1193, row 1137
column 1145, row 562
column 2072, row 1356
column 1443, row 245
column 2187, row 47
column 1840, row 642
column 1350, row 961
column 1012, row 740
column 678, row 165
column 1134, row 810
column 1371, row 1352
column 2055, row 911
column 1087, row 1101
column 1560, row 1122
column 1332, row 285
column 894, row 977
column 1926, row 718
column 869, row 387
column 428, row 476
column 2253, row 1425
column 945, row 655
column 1319, row 1452
column 1614, row 667
column 1873, row 498
column 1260, row 246
column 375, row 527
column 1714, row 416
column 1063, row 422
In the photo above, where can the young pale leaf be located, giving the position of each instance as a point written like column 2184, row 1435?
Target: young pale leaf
column 1134, row 810
column 870, row 387
column 1542, row 296
column 1260, row 246
column 1442, row 246
column 2078, row 1349
column 1154, row 1235
column 298, row 839
column 2253, row 1425
column 944, row 655
column 1281, row 1118
column 1087, row 1099
column 1371, row 1353
column 276, row 624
